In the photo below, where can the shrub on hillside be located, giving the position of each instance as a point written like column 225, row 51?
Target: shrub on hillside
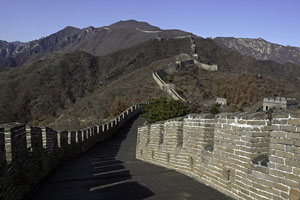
column 215, row 108
column 117, row 107
column 163, row 109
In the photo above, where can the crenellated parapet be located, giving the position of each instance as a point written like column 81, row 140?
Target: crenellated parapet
column 28, row 154
column 246, row 156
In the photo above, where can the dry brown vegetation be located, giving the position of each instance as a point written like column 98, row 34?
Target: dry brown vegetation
column 117, row 107
column 77, row 89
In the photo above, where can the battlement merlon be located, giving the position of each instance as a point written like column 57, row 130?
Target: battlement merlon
column 279, row 99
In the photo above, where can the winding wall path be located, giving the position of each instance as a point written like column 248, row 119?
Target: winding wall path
column 164, row 86
column 110, row 171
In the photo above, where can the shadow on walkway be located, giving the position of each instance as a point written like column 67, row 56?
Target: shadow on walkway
column 96, row 174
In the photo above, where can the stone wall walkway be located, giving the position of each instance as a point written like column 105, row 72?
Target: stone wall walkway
column 110, row 171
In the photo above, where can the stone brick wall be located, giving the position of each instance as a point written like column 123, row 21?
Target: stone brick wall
column 245, row 156
column 28, row 154
column 284, row 165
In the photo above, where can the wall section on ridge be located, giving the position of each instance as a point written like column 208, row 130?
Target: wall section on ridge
column 169, row 88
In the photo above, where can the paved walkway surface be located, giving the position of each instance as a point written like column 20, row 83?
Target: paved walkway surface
column 110, row 171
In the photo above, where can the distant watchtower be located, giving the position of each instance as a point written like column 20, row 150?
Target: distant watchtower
column 279, row 103
column 221, row 101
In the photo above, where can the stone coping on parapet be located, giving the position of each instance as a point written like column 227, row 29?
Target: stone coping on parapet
column 239, row 115
column 244, row 115
column 260, row 120
column 259, row 115
column 200, row 115
column 168, row 120
column 8, row 126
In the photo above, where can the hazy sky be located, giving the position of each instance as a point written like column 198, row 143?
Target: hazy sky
column 277, row 21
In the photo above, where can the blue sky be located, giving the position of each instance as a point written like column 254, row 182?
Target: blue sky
column 274, row 20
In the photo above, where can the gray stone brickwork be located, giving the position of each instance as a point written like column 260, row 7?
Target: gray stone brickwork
column 245, row 156
column 28, row 154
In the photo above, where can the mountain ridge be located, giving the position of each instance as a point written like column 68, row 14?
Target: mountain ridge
column 96, row 41
column 261, row 49
column 125, row 34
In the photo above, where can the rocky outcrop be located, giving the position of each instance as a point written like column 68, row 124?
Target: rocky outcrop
column 260, row 49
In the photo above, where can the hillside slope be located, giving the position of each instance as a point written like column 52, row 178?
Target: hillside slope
column 42, row 92
column 76, row 89
column 243, row 80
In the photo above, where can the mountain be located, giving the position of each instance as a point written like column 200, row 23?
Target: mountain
column 133, row 24
column 260, row 49
column 96, row 41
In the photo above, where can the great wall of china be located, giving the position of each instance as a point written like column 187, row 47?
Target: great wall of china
column 245, row 156
column 28, row 154
column 171, row 88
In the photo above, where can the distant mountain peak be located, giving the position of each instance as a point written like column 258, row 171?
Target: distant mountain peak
column 89, row 28
column 134, row 24
column 70, row 28
column 18, row 43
